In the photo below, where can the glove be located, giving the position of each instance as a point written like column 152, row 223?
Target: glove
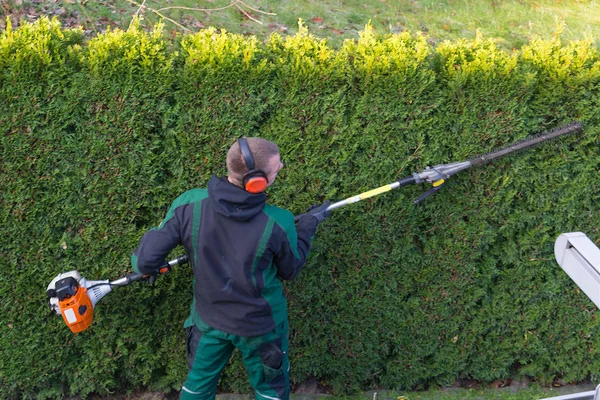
column 319, row 211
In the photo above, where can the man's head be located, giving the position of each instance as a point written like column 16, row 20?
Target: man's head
column 266, row 158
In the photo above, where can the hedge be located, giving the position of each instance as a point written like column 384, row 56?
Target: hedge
column 100, row 135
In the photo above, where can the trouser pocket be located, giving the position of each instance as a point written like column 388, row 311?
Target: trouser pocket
column 271, row 356
column 192, row 338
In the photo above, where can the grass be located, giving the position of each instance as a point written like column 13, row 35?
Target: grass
column 511, row 22
column 507, row 393
column 482, row 394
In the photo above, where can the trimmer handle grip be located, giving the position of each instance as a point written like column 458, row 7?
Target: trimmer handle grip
column 151, row 278
column 165, row 269
column 133, row 277
column 179, row 260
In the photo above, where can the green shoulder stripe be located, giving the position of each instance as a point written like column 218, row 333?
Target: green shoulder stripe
column 191, row 196
column 134, row 263
column 262, row 247
column 285, row 220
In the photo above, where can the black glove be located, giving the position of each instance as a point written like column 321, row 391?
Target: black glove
column 318, row 211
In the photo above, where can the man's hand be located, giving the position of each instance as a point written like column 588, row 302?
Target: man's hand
column 318, row 211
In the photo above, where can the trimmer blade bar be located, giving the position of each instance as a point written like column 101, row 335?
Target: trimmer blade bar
column 527, row 143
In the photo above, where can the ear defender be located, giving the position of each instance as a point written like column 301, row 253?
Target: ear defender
column 255, row 180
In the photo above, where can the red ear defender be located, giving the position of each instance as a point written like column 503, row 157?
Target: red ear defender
column 256, row 184
column 255, row 180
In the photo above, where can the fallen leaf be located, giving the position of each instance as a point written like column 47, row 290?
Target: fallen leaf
column 279, row 27
column 317, row 20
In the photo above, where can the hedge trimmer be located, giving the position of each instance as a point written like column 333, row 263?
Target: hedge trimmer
column 438, row 174
column 75, row 297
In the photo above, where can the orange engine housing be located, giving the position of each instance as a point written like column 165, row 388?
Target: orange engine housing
column 77, row 310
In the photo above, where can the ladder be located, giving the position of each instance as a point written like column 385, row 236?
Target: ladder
column 591, row 395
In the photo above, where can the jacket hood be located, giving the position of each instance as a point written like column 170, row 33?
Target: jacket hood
column 232, row 201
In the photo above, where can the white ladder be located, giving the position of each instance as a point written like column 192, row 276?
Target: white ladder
column 591, row 395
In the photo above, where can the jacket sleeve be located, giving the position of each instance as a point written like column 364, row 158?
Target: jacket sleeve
column 156, row 244
column 294, row 246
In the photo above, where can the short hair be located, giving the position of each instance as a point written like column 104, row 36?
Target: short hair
column 262, row 151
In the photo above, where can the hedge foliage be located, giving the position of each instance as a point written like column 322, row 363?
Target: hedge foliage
column 99, row 136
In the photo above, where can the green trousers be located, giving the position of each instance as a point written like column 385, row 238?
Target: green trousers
column 265, row 357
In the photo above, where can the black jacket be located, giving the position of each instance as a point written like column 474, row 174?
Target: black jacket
column 239, row 248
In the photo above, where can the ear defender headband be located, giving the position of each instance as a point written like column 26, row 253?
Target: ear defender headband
column 255, row 180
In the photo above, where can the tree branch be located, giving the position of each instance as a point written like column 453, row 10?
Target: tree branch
column 199, row 9
column 234, row 3
column 247, row 15
column 254, row 9
column 159, row 14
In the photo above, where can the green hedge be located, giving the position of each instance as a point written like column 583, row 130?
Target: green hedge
column 99, row 136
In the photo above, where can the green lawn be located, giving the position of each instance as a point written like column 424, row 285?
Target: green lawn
column 511, row 22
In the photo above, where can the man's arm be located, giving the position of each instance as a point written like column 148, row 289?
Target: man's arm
column 156, row 244
column 294, row 247
column 297, row 239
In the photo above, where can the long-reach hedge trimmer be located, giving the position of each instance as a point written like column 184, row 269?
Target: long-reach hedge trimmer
column 75, row 297
column 438, row 174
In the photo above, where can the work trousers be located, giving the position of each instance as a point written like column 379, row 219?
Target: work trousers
column 265, row 357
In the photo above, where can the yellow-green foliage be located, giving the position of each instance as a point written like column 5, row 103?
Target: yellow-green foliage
column 480, row 57
column 131, row 52
column 302, row 53
column 99, row 137
column 375, row 55
column 219, row 50
column 36, row 45
column 559, row 60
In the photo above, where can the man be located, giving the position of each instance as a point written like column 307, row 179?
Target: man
column 239, row 247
